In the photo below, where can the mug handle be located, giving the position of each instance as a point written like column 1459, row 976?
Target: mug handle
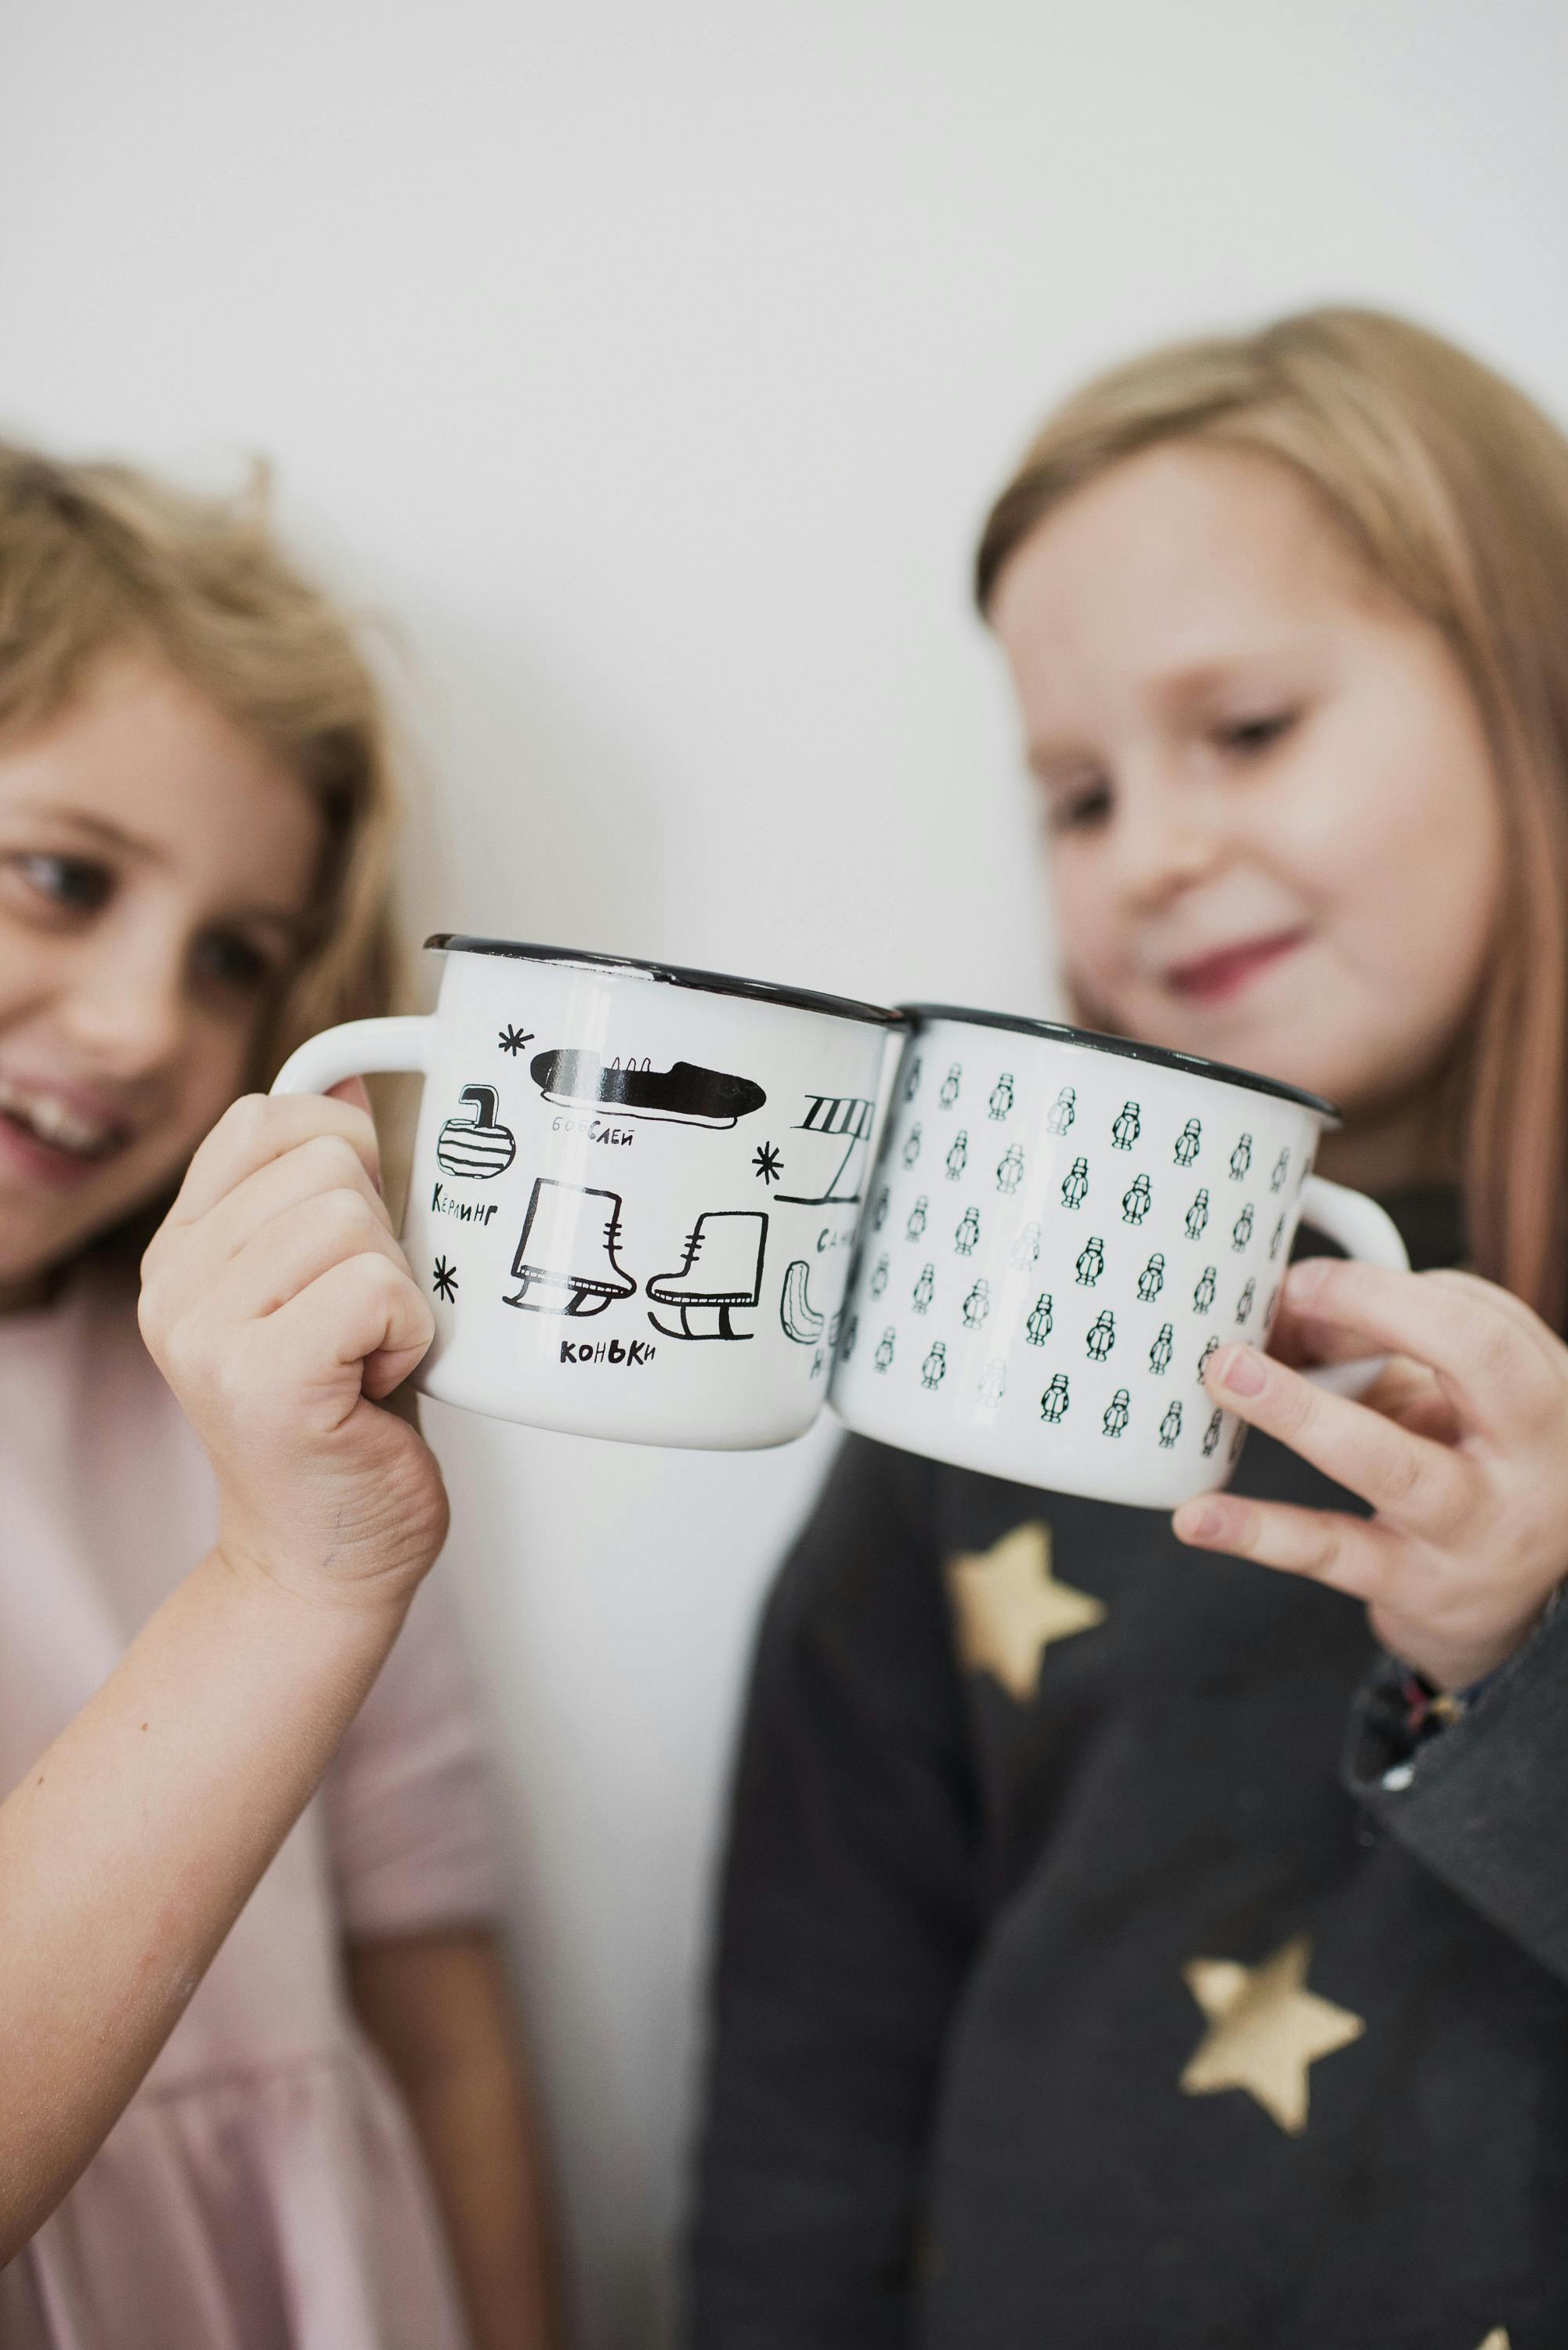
column 1363, row 1229
column 357, row 1049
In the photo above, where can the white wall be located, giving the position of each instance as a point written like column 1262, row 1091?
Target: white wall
column 650, row 367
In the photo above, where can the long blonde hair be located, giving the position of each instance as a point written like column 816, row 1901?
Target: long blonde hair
column 1453, row 487
column 99, row 558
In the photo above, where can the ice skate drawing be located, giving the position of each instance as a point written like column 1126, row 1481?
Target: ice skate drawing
column 1041, row 1319
column 1282, row 1169
column 844, row 1121
column 1171, row 1426
column 912, row 1079
column 1002, row 1095
column 912, row 1144
column 992, row 1384
column 1136, row 1200
column 1188, row 1140
column 1276, row 1238
column 1075, row 1184
column 950, row 1084
column 721, row 1267
column 966, row 1240
column 925, row 1289
column 1063, row 1111
column 1010, row 1169
column 1242, row 1158
column 934, row 1370
column 1151, row 1280
column 1116, row 1413
column 884, row 1356
column 878, row 1281
column 1159, row 1354
column 565, row 1258
column 1025, row 1250
column 1053, row 1403
column 1244, row 1303
column 879, row 1213
column 958, row 1155
column 684, row 1094
column 916, row 1224
column 1211, row 1435
column 1242, row 1229
column 798, row 1315
column 1125, row 1126
column 480, row 1145
column 1198, row 1216
column 1091, row 1262
column 1203, row 1296
column 977, row 1306
column 1101, row 1336
column 1210, row 1346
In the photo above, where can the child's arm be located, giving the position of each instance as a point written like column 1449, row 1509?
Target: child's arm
column 850, row 1915
column 279, row 1304
column 437, row 2007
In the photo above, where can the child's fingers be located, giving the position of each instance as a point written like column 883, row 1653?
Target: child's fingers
column 259, row 1128
column 1350, row 1555
column 295, row 1247
column 1469, row 1332
column 362, row 1307
column 327, row 1162
column 1424, row 1487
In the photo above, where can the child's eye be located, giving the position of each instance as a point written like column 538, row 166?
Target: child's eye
column 1076, row 811
column 223, row 959
column 1257, row 733
column 75, row 885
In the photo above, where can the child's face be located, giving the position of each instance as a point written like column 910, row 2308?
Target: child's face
column 1275, row 832
column 155, row 865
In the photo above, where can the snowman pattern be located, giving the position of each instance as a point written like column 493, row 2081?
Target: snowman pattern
column 965, row 1311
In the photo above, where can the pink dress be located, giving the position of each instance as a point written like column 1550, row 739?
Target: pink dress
column 263, row 2188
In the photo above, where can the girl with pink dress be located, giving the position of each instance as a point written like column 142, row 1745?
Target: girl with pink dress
column 263, row 2090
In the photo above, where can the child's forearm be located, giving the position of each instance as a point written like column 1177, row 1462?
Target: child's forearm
column 132, row 1844
column 437, row 2007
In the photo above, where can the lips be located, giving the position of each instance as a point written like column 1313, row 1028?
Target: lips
column 1207, row 978
column 55, row 1133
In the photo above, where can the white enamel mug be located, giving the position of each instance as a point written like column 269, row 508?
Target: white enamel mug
column 1061, row 1228
column 634, row 1188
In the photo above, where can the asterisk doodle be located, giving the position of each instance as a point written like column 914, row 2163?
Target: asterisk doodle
column 443, row 1280
column 768, row 1163
column 514, row 1039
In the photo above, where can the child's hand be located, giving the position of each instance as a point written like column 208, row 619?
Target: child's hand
column 278, row 1305
column 1461, row 1447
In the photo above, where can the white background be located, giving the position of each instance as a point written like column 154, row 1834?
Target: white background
column 647, row 368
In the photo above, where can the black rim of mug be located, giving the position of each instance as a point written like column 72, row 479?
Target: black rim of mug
column 1058, row 1032
column 710, row 982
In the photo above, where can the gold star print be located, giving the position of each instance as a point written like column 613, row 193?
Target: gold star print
column 1009, row 1608
column 1265, row 2029
column 1497, row 2339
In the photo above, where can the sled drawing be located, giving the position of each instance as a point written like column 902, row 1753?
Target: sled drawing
column 844, row 1121
column 684, row 1094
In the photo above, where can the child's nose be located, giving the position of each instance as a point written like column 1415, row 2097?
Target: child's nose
column 1162, row 849
column 128, row 1012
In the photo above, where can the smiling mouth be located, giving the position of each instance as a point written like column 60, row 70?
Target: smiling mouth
column 1211, row 977
column 56, row 1127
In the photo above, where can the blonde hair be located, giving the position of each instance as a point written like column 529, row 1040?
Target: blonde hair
column 98, row 559
column 1453, row 485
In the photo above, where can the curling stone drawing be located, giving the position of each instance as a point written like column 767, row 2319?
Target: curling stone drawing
column 683, row 1093
column 721, row 1268
column 480, row 1145
column 565, row 1258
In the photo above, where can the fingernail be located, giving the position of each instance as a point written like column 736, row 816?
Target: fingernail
column 1244, row 1373
column 1206, row 1525
column 1308, row 1273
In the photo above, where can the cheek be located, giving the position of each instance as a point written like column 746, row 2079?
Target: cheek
column 1083, row 911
